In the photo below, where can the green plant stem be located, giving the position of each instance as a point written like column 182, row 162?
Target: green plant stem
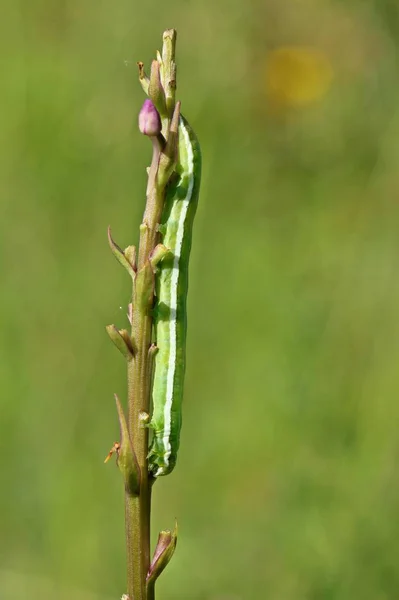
column 138, row 508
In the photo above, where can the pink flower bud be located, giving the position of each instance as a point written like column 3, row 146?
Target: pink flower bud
column 149, row 119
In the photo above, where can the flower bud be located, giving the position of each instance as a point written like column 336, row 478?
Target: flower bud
column 164, row 551
column 149, row 119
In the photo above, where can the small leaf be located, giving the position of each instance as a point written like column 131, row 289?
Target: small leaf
column 127, row 461
column 121, row 256
column 144, row 289
column 152, row 352
column 155, row 89
column 169, row 68
column 122, row 340
column 168, row 158
column 144, row 80
column 164, row 551
column 159, row 253
column 130, row 254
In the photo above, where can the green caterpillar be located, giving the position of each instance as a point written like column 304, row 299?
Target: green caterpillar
column 170, row 318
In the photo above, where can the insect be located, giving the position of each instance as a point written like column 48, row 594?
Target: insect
column 170, row 320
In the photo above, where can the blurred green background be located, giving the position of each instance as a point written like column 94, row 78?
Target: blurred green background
column 287, row 480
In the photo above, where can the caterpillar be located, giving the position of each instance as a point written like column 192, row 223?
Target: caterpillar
column 170, row 319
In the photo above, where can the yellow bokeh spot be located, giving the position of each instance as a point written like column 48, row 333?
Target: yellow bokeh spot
column 297, row 76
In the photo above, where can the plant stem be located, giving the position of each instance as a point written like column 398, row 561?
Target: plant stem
column 133, row 457
column 138, row 508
